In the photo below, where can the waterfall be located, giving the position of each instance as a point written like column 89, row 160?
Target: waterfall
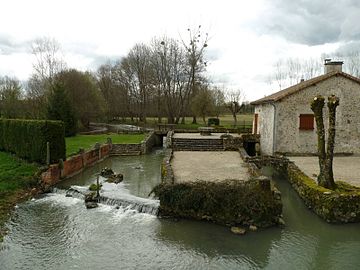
column 119, row 199
column 151, row 207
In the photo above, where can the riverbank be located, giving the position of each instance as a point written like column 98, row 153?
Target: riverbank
column 17, row 183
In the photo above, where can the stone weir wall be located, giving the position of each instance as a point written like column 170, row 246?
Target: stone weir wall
column 75, row 164
column 226, row 143
column 230, row 202
column 332, row 206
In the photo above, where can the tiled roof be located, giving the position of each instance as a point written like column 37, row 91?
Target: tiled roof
column 302, row 85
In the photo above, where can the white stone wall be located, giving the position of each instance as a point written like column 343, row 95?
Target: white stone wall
column 289, row 139
column 265, row 127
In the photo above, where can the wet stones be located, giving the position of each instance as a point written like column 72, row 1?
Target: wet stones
column 91, row 200
column 112, row 177
column 238, row 230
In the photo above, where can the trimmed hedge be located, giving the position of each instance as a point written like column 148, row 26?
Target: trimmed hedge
column 231, row 202
column 27, row 139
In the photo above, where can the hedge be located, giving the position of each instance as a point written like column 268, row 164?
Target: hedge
column 27, row 139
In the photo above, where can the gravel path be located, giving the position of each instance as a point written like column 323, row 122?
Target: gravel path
column 346, row 169
column 208, row 166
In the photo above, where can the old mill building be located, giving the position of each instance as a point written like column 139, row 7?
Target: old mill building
column 286, row 123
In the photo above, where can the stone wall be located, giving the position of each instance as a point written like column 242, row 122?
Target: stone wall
column 126, row 149
column 167, row 174
column 266, row 127
column 74, row 165
column 332, row 206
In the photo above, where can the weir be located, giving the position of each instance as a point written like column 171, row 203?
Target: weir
column 124, row 200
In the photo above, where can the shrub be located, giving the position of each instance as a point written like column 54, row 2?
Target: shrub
column 28, row 138
column 213, row 121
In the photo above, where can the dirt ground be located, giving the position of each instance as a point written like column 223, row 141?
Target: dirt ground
column 208, row 166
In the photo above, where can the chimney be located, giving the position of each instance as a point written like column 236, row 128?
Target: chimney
column 331, row 66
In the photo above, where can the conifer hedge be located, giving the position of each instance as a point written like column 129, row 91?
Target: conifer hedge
column 27, row 139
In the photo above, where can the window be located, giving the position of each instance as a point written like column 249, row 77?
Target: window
column 306, row 122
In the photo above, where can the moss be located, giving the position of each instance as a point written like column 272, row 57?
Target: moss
column 94, row 187
column 336, row 206
column 228, row 202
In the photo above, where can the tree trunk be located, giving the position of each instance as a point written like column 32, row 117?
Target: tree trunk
column 317, row 106
column 333, row 102
column 235, row 119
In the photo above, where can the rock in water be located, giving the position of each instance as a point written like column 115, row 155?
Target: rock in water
column 252, row 228
column 115, row 178
column 106, row 172
column 90, row 205
column 238, row 230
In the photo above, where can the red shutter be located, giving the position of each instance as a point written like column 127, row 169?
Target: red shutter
column 306, row 122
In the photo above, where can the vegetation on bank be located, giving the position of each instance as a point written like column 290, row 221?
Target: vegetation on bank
column 230, row 202
column 341, row 205
column 28, row 139
column 73, row 144
column 16, row 179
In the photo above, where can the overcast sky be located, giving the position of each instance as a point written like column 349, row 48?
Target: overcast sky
column 247, row 37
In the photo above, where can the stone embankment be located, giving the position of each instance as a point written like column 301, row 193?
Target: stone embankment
column 251, row 203
column 334, row 206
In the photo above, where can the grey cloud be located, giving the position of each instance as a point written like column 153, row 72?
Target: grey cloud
column 311, row 22
column 8, row 45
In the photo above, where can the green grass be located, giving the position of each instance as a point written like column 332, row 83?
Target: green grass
column 226, row 121
column 73, row 144
column 16, row 176
column 15, row 173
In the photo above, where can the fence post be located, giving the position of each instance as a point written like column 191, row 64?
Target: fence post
column 48, row 153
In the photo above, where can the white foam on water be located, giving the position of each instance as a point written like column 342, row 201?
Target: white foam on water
column 58, row 199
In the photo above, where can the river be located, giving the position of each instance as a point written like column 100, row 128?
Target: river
column 58, row 232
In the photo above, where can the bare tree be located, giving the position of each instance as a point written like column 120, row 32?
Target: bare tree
column 291, row 71
column 169, row 66
column 234, row 100
column 48, row 60
column 195, row 50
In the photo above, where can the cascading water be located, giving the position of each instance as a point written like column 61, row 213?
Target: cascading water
column 115, row 195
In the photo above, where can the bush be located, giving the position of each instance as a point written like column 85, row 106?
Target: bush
column 27, row 139
column 213, row 121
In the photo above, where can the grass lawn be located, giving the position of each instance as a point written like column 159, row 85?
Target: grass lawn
column 73, row 144
column 15, row 178
column 227, row 121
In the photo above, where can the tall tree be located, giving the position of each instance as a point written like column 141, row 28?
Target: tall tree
column 10, row 97
column 169, row 67
column 195, row 51
column 203, row 103
column 84, row 95
column 48, row 62
column 59, row 108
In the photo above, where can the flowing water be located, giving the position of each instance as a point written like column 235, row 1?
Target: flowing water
column 58, row 232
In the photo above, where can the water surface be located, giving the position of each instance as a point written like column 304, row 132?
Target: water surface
column 57, row 232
